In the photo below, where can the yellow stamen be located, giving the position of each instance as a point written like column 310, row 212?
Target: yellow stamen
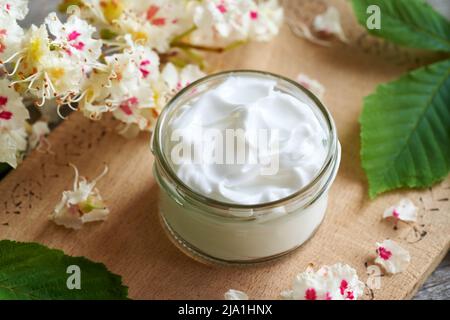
column 56, row 73
column 112, row 9
column 35, row 51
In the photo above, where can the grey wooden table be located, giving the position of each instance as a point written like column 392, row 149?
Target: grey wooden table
column 437, row 287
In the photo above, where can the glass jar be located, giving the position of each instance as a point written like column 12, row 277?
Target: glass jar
column 234, row 233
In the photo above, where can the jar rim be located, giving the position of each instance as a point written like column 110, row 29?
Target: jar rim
column 160, row 157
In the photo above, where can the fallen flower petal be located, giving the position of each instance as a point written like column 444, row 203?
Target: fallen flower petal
column 405, row 210
column 83, row 204
column 303, row 30
column 329, row 23
column 38, row 132
column 312, row 85
column 235, row 295
column 392, row 257
column 336, row 282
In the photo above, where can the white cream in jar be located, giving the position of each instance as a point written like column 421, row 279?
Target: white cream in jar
column 263, row 204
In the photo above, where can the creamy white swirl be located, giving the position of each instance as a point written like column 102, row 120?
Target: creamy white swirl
column 252, row 105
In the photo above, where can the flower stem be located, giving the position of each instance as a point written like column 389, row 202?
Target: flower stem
column 184, row 45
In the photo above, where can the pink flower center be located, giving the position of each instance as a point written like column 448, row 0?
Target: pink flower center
column 344, row 289
column 254, row 15
column 384, row 253
column 8, row 7
column 145, row 72
column 350, row 295
column 222, row 8
column 79, row 46
column 159, row 21
column 5, row 115
column 128, row 104
column 328, row 296
column 73, row 36
column 395, row 213
column 3, row 101
column 343, row 286
column 310, row 294
column 126, row 109
column 2, row 45
column 152, row 11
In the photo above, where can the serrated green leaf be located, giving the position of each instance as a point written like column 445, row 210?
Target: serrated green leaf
column 405, row 130
column 33, row 271
column 412, row 23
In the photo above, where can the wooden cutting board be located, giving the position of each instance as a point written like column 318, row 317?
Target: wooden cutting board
column 132, row 242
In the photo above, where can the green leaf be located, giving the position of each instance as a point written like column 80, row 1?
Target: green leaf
column 405, row 130
column 412, row 23
column 33, row 271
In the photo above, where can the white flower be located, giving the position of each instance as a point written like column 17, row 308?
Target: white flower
column 16, row 9
column 132, row 68
column 221, row 22
column 46, row 71
column 124, row 87
column 134, row 108
column 312, row 85
column 11, row 35
column 155, row 22
column 224, row 22
column 336, row 282
column 28, row 61
column 130, row 93
column 61, row 74
column 235, row 295
column 266, row 20
column 57, row 67
column 405, row 210
column 12, row 110
column 75, row 38
column 13, row 144
column 106, row 11
column 329, row 23
column 145, row 59
column 39, row 130
column 36, row 45
column 81, row 205
column 392, row 257
column 96, row 90
column 178, row 79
